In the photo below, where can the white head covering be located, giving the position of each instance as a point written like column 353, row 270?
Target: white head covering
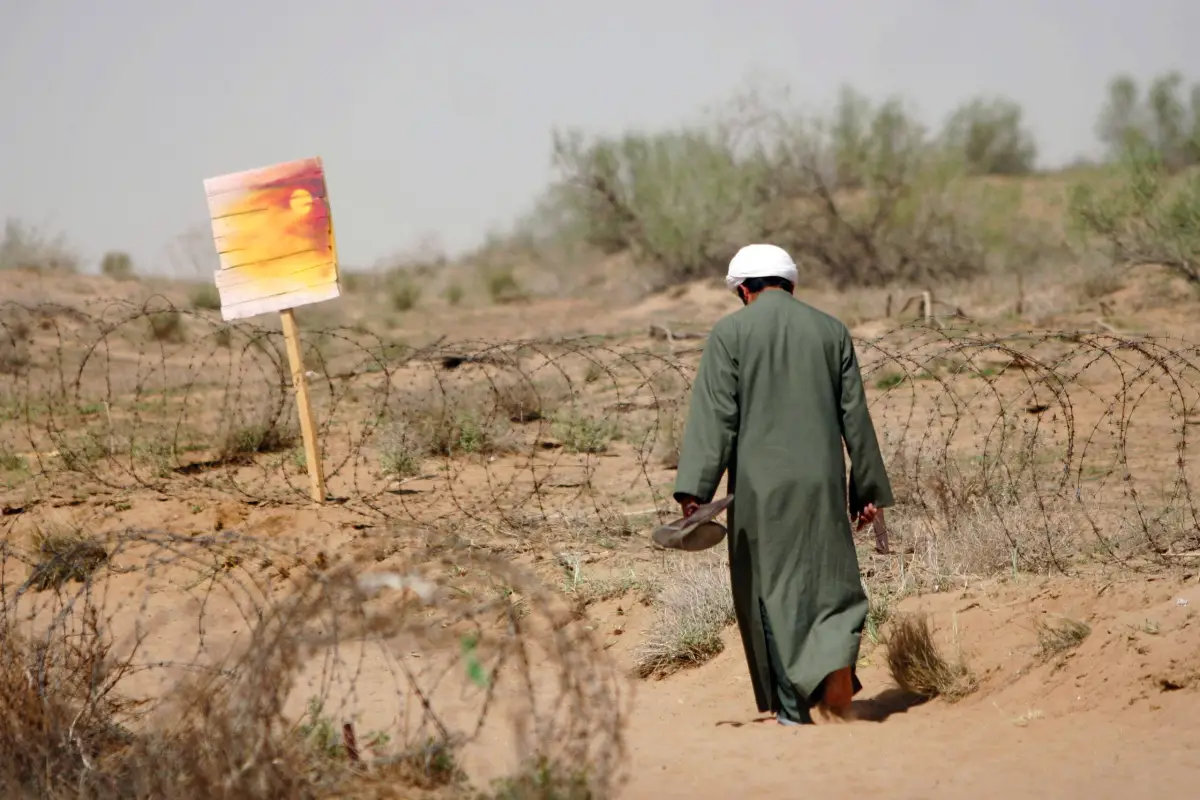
column 760, row 261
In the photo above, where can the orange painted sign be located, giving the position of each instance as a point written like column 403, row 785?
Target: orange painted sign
column 274, row 234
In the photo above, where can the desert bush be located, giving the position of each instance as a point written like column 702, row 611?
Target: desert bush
column 403, row 290
column 1162, row 121
column 245, row 440
column 692, row 609
column 521, row 400
column 14, row 355
column 543, row 779
column 80, row 452
column 426, row 427
column 917, row 664
column 502, row 284
column 1102, row 282
column 1143, row 217
column 116, row 265
column 670, row 436
column 11, row 461
column 672, row 198
column 64, row 556
column 989, row 137
column 167, row 326
column 158, row 453
column 26, row 247
column 354, row 281
column 205, row 296
column 862, row 197
column 400, row 453
column 582, row 433
column 454, row 293
column 1061, row 635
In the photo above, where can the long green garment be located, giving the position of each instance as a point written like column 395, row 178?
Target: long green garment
column 777, row 392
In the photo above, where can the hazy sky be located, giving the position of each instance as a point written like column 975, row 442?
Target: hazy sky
column 435, row 117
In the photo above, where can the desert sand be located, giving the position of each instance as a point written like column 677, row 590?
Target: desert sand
column 1044, row 477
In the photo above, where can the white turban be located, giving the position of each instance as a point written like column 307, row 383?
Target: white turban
column 760, row 261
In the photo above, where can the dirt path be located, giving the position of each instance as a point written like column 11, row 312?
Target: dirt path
column 1097, row 724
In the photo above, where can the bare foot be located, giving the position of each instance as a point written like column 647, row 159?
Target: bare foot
column 835, row 715
column 837, row 695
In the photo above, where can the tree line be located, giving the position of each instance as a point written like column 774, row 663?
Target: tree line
column 865, row 195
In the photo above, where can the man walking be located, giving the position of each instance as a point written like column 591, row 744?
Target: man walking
column 777, row 392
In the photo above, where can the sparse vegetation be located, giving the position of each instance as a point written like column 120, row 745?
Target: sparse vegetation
column 582, row 433
column 1061, row 635
column 863, row 196
column 543, row 780
column 403, row 290
column 244, row 441
column 11, row 461
column 522, row 401
column 14, row 356
column 502, row 284
column 692, row 610
column 64, row 556
column 1166, row 119
column 118, row 266
column 167, row 326
column 26, row 247
column 205, row 297
column 1145, row 217
column 399, row 455
column 671, row 433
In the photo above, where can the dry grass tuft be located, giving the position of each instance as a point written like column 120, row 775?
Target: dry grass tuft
column 118, row 266
column 11, row 461
column 694, row 606
column 543, row 780
column 167, row 326
column 14, row 355
column 917, row 664
column 670, row 436
column 433, row 430
column 65, row 556
column 244, row 441
column 1059, row 636
column 581, row 433
column 205, row 296
column 522, row 401
column 400, row 454
column 403, row 290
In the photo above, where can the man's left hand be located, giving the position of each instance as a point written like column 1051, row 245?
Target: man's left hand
column 688, row 506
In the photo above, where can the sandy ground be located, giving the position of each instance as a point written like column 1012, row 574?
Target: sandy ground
column 1116, row 717
column 1097, row 724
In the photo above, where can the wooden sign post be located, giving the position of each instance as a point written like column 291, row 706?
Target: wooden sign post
column 274, row 235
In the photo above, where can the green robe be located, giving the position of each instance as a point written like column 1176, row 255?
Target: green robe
column 777, row 391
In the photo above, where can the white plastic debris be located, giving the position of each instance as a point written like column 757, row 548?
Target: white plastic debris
column 373, row 582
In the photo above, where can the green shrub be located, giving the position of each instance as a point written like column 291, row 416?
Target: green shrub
column 1145, row 217
column 205, row 296
column 117, row 265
